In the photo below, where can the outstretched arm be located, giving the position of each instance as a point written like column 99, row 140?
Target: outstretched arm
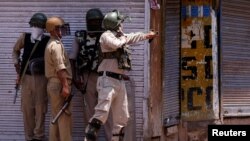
column 139, row 36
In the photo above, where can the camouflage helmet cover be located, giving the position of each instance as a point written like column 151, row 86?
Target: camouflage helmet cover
column 38, row 20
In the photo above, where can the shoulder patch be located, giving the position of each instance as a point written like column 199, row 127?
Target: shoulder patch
column 81, row 36
column 80, row 33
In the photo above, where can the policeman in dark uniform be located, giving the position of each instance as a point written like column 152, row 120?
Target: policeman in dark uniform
column 31, row 77
column 85, row 58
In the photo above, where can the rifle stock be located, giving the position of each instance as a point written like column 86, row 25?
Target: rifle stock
column 65, row 106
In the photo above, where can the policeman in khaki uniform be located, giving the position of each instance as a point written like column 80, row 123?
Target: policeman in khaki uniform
column 85, row 60
column 31, row 77
column 110, row 84
column 59, row 75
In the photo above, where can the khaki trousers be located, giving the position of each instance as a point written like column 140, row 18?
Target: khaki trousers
column 62, row 129
column 112, row 93
column 90, row 101
column 34, row 103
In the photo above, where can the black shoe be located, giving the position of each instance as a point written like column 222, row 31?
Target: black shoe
column 36, row 140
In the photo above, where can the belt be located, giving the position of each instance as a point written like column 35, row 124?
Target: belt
column 111, row 74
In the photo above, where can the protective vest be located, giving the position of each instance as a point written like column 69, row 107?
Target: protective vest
column 123, row 56
column 38, row 53
column 88, row 58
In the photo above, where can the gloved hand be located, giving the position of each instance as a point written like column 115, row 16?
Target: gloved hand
column 79, row 83
column 17, row 67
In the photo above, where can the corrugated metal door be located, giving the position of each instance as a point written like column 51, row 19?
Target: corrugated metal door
column 235, row 59
column 171, row 71
column 14, row 17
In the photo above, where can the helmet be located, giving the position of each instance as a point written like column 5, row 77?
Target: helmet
column 94, row 14
column 94, row 19
column 38, row 20
column 112, row 20
column 54, row 22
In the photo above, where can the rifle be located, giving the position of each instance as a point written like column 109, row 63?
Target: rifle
column 17, row 89
column 65, row 106
column 24, row 70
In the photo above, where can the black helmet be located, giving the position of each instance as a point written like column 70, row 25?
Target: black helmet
column 112, row 20
column 94, row 19
column 38, row 20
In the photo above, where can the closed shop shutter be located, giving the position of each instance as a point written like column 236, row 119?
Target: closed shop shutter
column 235, row 59
column 14, row 17
column 171, row 63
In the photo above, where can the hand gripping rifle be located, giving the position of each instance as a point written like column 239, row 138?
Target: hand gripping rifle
column 17, row 89
column 64, row 107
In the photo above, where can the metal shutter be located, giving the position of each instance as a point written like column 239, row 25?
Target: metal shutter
column 171, row 67
column 14, row 17
column 235, row 60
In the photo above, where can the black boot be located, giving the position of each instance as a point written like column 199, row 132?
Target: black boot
column 92, row 129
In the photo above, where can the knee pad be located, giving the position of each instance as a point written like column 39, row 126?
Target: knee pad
column 92, row 129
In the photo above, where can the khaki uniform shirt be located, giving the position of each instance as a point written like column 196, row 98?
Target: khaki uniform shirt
column 109, row 42
column 56, row 59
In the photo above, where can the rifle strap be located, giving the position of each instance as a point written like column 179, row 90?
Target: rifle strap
column 26, row 65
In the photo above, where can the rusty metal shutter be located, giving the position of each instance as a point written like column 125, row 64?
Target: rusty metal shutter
column 235, row 59
column 14, row 17
column 171, row 104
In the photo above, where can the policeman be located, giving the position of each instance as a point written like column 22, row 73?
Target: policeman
column 85, row 60
column 31, row 77
column 59, row 75
column 110, row 84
